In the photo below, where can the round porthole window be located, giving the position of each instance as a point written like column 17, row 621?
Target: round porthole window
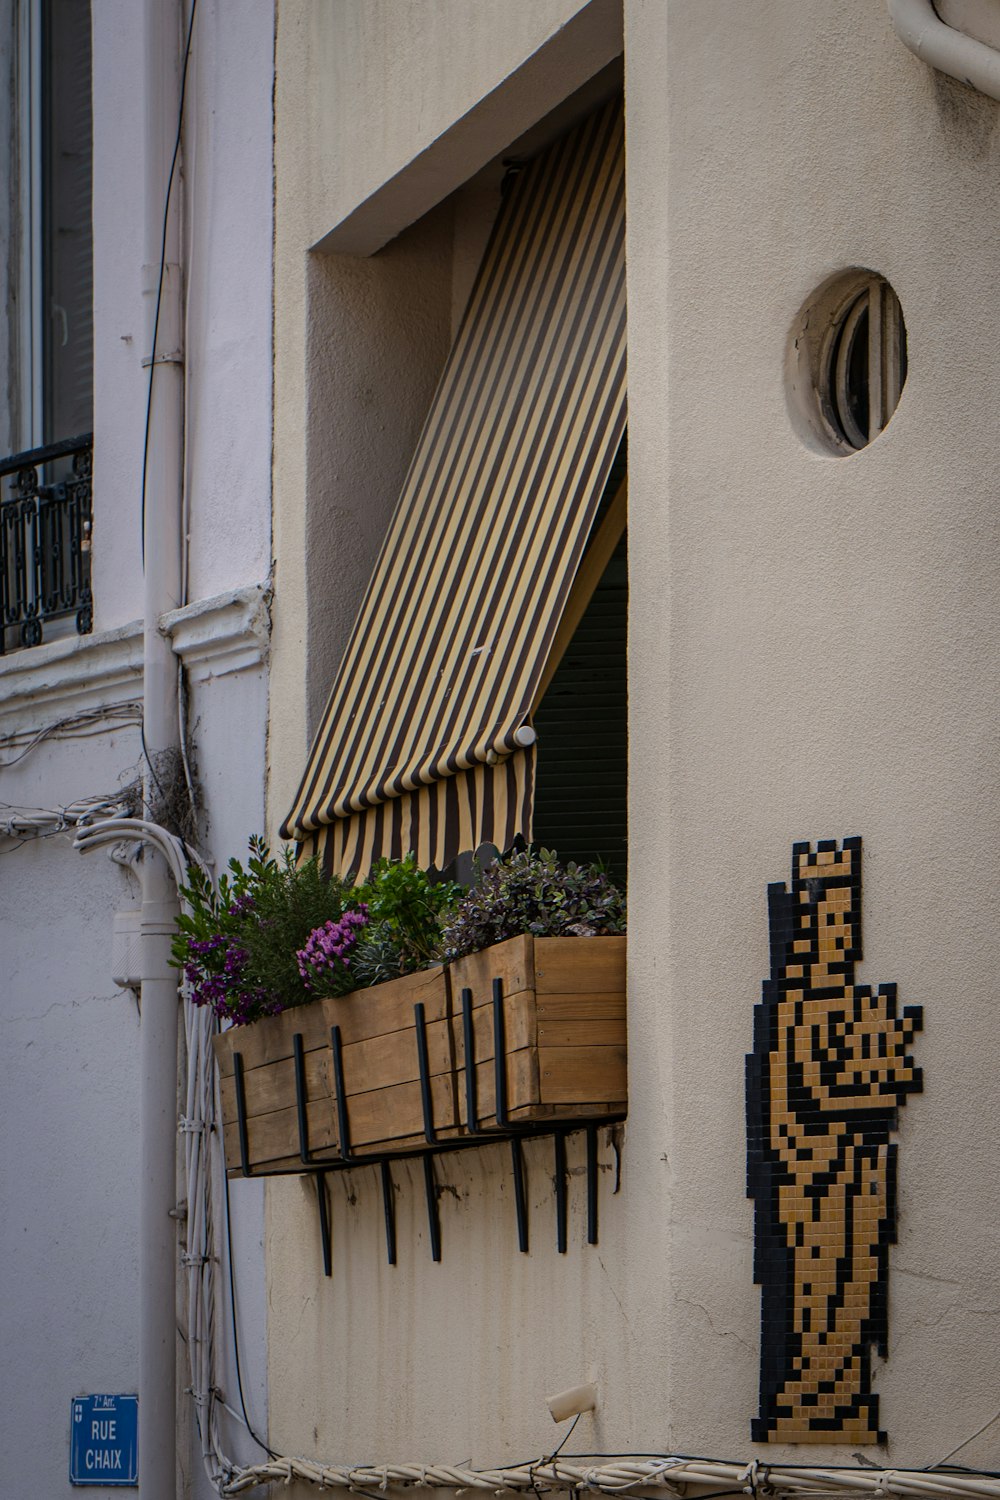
column 847, row 362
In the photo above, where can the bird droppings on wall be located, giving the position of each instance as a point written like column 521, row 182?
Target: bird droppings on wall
column 825, row 1080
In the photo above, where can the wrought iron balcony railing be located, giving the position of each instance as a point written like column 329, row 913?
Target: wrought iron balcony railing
column 45, row 524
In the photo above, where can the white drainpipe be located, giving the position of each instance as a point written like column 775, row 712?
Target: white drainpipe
column 919, row 27
column 160, row 1006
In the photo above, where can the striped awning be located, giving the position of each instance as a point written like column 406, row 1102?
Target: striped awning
column 423, row 742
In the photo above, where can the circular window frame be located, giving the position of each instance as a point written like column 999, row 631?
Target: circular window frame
column 824, row 377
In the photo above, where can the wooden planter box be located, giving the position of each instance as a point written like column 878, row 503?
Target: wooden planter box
column 381, row 1062
column 269, row 1085
column 563, row 1041
column 380, row 1070
column 563, row 1024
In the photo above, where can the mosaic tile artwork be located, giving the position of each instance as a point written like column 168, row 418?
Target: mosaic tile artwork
column 829, row 1070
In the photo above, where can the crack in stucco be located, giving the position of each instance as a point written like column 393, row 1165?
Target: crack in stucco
column 36, row 1016
column 614, row 1293
column 722, row 1333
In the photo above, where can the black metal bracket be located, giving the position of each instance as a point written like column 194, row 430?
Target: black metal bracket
column 423, row 1063
column 499, row 1056
column 562, row 1196
column 343, row 1157
column 520, row 1197
column 340, row 1101
column 389, row 1209
column 433, row 1216
column 326, row 1238
column 469, row 1038
column 591, row 1184
column 241, row 1114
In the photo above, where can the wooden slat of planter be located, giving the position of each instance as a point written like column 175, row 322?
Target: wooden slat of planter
column 548, row 1021
column 570, row 1075
column 379, row 1117
column 273, row 1140
column 270, row 1040
column 388, row 1007
column 512, row 962
column 271, row 1088
column 266, row 1047
column 579, row 966
column 393, row 1055
column 381, row 1061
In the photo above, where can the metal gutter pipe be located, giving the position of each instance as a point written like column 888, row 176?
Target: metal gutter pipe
column 920, row 28
column 161, row 592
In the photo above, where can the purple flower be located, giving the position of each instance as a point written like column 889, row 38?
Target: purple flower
column 328, row 948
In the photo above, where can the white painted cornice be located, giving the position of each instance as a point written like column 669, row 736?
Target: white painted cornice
column 216, row 637
column 213, row 638
column 41, row 684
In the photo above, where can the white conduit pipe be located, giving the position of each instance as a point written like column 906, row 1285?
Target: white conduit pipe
column 920, row 28
column 39, row 822
column 197, row 1126
column 162, row 488
column 625, row 1476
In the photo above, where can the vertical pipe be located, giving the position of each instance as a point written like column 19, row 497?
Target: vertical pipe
column 161, row 592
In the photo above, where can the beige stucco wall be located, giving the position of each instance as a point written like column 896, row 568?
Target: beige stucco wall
column 814, row 653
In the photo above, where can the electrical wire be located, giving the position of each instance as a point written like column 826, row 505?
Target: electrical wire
column 42, row 822
column 91, row 721
column 163, row 270
column 569, row 1433
column 958, row 1448
column 235, row 1326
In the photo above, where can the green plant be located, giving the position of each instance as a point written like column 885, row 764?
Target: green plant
column 406, row 912
column 241, row 945
column 531, row 892
column 275, row 934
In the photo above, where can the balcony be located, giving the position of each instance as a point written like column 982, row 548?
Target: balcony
column 45, row 525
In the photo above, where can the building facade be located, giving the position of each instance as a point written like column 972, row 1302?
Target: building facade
column 811, row 659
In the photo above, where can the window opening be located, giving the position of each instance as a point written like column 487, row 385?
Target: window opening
column 846, row 362
column 581, row 772
column 867, row 364
column 67, row 238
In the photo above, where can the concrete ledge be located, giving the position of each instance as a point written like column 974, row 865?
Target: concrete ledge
column 213, row 638
column 67, row 677
column 578, row 51
column 217, row 637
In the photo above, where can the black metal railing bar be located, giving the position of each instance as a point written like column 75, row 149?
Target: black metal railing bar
column 45, row 529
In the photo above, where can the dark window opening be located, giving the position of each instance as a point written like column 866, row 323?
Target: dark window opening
column 581, row 776
column 67, row 237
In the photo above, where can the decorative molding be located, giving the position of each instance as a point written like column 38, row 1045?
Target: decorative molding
column 217, row 637
column 66, row 677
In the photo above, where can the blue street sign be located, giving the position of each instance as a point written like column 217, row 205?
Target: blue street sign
column 104, row 1442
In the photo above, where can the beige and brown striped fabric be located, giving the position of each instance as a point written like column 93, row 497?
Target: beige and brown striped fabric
column 485, row 805
column 465, row 602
